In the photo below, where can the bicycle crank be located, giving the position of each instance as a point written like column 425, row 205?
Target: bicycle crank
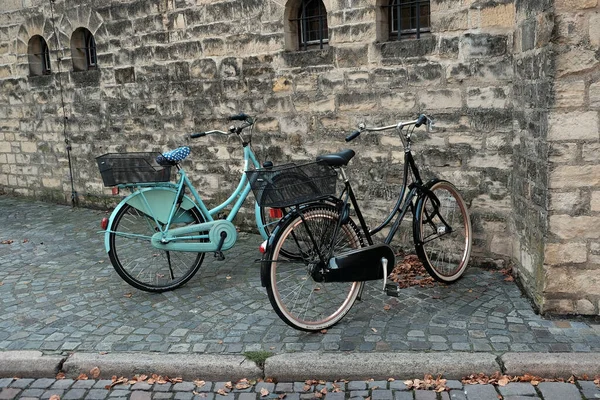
column 221, row 235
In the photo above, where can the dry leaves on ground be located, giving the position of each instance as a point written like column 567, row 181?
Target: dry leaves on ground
column 54, row 397
column 7, row 242
column 503, row 380
column 427, row 383
column 410, row 272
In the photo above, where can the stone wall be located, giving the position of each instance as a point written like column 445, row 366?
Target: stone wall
column 534, row 95
column 171, row 67
column 572, row 253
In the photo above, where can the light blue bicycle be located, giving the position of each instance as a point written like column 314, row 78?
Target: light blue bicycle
column 156, row 237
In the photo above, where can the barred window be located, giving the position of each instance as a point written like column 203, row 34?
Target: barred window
column 83, row 50
column 39, row 56
column 312, row 24
column 408, row 18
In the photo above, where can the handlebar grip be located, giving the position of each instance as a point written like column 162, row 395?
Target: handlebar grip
column 239, row 117
column 197, row 135
column 421, row 120
column 352, row 136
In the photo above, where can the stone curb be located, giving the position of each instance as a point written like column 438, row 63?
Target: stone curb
column 295, row 367
column 350, row 366
column 29, row 364
column 186, row 366
column 552, row 365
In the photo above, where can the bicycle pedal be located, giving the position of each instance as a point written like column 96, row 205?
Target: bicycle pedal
column 219, row 255
column 392, row 289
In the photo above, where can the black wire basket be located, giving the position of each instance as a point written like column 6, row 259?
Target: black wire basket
column 120, row 168
column 290, row 184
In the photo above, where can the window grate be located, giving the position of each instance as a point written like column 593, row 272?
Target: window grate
column 408, row 18
column 312, row 24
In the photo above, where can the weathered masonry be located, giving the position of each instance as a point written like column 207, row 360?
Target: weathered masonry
column 514, row 85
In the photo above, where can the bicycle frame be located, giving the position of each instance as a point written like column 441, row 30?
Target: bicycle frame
column 162, row 204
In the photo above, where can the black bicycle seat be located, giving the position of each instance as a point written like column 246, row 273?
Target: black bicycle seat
column 339, row 159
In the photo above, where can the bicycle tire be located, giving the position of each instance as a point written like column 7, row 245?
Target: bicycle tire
column 139, row 263
column 445, row 256
column 298, row 299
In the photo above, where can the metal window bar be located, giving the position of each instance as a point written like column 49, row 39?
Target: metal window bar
column 304, row 20
column 415, row 8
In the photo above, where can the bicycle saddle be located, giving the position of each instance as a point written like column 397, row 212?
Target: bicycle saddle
column 339, row 159
column 174, row 156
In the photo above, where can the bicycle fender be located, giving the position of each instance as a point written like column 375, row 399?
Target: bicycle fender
column 155, row 201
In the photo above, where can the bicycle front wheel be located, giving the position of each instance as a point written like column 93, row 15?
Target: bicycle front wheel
column 295, row 286
column 442, row 231
column 139, row 263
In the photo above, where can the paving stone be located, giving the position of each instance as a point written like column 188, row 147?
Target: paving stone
column 517, row 389
column 357, row 385
column 558, row 391
column 42, row 383
column 140, row 395
column 379, row 394
column 74, row 394
column 9, row 393
column 480, row 392
column 21, row 383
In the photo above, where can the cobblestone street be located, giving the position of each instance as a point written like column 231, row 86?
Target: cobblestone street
column 59, row 294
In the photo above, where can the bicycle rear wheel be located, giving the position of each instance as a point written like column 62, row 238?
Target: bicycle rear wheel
column 139, row 263
column 294, row 285
column 442, row 232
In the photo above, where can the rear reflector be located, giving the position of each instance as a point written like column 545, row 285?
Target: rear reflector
column 275, row 213
column 115, row 191
column 263, row 247
column 104, row 223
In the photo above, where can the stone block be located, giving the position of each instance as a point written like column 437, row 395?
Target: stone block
column 585, row 307
column 5, row 147
column 440, row 98
column 569, row 94
column 312, row 104
column 568, row 281
column 573, row 176
column 558, row 306
column 487, row 97
column 567, row 227
column 595, row 94
column 574, row 61
column 400, row 102
column 575, row 125
column 595, row 202
column 570, row 202
column 594, row 30
column 480, row 45
column 572, row 5
column 565, row 253
column 499, row 16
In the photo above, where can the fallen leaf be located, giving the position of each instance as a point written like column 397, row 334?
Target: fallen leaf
column 95, row 372
column 222, row 392
column 176, row 380
column 82, row 377
column 25, row 240
column 54, row 397
column 228, row 277
column 7, row 242
column 60, row 375
column 242, row 384
column 323, row 331
column 128, row 295
column 387, row 307
column 264, row 392
column 199, row 383
column 282, row 396
column 374, row 330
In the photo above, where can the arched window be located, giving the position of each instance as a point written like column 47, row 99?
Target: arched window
column 407, row 18
column 311, row 24
column 83, row 50
column 39, row 56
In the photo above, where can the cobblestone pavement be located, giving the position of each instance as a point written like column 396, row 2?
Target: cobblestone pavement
column 68, row 389
column 59, row 294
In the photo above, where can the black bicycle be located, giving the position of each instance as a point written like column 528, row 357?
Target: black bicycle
column 317, row 259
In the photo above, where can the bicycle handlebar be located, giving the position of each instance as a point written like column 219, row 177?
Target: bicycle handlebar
column 422, row 119
column 197, row 135
column 353, row 136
